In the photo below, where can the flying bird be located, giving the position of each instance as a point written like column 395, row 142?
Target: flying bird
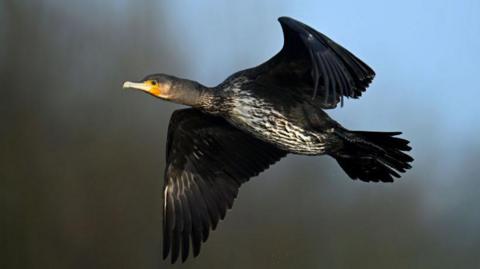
column 237, row 129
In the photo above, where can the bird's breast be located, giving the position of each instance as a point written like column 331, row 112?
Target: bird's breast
column 260, row 118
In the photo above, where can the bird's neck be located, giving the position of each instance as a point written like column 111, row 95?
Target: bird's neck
column 192, row 93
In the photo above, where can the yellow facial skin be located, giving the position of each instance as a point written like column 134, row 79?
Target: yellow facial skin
column 152, row 87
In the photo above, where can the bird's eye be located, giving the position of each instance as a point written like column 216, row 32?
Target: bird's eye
column 154, row 82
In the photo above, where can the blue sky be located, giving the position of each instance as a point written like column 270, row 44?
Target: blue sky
column 425, row 54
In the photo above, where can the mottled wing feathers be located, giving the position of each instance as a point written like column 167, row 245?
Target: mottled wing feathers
column 207, row 161
column 315, row 66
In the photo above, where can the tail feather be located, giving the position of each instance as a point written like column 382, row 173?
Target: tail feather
column 373, row 156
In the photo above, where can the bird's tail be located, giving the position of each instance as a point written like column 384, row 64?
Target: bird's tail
column 372, row 156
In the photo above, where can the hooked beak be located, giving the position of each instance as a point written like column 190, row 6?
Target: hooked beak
column 137, row 85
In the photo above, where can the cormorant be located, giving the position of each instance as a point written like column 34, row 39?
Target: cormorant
column 255, row 117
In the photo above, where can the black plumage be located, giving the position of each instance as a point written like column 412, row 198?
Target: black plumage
column 310, row 60
column 207, row 161
column 254, row 118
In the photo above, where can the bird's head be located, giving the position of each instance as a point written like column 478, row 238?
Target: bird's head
column 158, row 85
column 170, row 88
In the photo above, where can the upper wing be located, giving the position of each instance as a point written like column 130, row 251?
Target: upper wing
column 315, row 66
column 207, row 161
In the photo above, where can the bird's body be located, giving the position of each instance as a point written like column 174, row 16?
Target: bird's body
column 254, row 118
column 281, row 119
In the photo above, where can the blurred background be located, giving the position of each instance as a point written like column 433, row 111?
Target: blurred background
column 81, row 160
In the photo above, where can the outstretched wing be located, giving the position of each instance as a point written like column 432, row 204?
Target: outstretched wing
column 314, row 66
column 207, row 161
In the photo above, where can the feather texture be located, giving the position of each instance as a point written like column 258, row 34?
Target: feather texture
column 207, row 161
column 335, row 72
